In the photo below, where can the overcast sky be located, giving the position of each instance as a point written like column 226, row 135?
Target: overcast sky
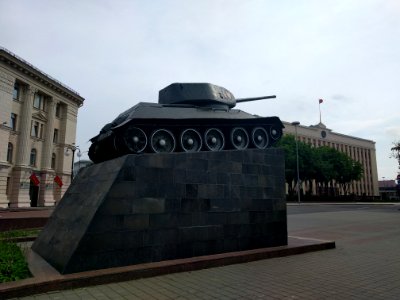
column 118, row 53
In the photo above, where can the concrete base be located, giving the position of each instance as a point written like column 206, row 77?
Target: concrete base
column 153, row 207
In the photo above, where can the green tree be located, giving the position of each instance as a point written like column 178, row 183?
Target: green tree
column 288, row 144
column 325, row 165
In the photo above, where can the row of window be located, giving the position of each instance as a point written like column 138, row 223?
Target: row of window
column 39, row 101
column 37, row 128
column 32, row 159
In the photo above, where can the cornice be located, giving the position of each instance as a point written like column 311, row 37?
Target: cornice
column 28, row 69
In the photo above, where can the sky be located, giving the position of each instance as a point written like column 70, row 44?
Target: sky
column 117, row 53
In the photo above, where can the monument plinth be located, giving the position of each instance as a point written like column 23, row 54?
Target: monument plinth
column 153, row 207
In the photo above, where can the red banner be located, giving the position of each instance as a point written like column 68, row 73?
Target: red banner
column 34, row 179
column 58, row 180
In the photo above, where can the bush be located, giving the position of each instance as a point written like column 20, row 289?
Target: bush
column 12, row 263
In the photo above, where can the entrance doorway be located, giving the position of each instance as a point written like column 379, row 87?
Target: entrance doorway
column 33, row 194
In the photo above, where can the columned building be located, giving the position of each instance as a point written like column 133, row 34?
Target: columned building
column 38, row 117
column 358, row 149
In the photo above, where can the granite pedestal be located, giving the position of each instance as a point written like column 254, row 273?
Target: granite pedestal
column 153, row 207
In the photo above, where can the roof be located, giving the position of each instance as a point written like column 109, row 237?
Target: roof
column 22, row 65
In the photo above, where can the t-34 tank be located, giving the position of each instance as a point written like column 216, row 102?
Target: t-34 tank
column 189, row 117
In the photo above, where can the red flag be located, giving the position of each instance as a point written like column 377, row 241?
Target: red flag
column 58, row 180
column 320, row 101
column 34, row 179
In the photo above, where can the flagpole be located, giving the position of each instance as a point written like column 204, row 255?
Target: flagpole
column 319, row 102
column 320, row 112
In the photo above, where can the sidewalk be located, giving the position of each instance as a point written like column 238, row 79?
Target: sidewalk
column 365, row 265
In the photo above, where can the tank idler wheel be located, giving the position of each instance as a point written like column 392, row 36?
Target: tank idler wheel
column 260, row 137
column 135, row 139
column 162, row 140
column 214, row 139
column 276, row 133
column 239, row 138
column 191, row 140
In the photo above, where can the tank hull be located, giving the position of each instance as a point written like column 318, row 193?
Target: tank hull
column 153, row 128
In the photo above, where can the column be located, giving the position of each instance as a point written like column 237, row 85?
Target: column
column 22, row 170
column 24, row 145
column 46, row 196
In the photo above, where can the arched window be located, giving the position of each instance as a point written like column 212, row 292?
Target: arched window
column 10, row 152
column 53, row 161
column 33, row 157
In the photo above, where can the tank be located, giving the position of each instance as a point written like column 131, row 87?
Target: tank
column 188, row 117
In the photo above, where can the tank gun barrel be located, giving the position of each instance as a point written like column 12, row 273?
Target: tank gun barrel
column 254, row 98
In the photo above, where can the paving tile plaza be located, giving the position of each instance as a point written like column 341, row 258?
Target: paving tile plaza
column 364, row 265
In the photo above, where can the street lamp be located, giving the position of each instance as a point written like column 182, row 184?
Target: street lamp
column 73, row 148
column 295, row 124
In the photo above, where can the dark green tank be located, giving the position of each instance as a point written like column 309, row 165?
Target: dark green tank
column 189, row 117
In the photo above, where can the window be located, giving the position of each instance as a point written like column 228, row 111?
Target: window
column 16, row 91
column 58, row 110
column 38, row 102
column 55, row 136
column 33, row 157
column 10, row 150
column 53, row 161
column 41, row 131
column 13, row 121
column 8, row 183
column 37, row 129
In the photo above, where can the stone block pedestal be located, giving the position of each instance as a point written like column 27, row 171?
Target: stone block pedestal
column 153, row 207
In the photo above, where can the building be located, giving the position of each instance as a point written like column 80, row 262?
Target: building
column 361, row 150
column 389, row 190
column 38, row 117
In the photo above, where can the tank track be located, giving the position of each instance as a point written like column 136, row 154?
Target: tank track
column 184, row 135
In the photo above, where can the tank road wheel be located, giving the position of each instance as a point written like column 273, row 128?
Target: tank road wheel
column 135, row 139
column 260, row 137
column 276, row 132
column 191, row 140
column 239, row 138
column 214, row 139
column 162, row 140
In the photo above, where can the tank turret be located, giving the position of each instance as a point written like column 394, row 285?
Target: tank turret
column 189, row 117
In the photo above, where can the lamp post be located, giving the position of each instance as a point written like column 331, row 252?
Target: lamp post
column 73, row 148
column 295, row 124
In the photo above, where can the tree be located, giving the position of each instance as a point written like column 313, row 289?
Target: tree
column 396, row 151
column 288, row 144
column 325, row 165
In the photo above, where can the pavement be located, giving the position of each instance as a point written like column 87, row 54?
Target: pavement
column 364, row 265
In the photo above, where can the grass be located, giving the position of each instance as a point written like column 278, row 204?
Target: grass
column 5, row 235
column 13, row 265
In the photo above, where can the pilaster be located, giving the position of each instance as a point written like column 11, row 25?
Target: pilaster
column 23, row 149
column 3, row 186
column 20, row 185
column 47, row 185
column 48, row 138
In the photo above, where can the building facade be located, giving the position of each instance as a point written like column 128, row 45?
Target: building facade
column 358, row 149
column 38, row 117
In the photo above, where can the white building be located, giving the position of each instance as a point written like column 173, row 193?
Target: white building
column 38, row 116
column 361, row 150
